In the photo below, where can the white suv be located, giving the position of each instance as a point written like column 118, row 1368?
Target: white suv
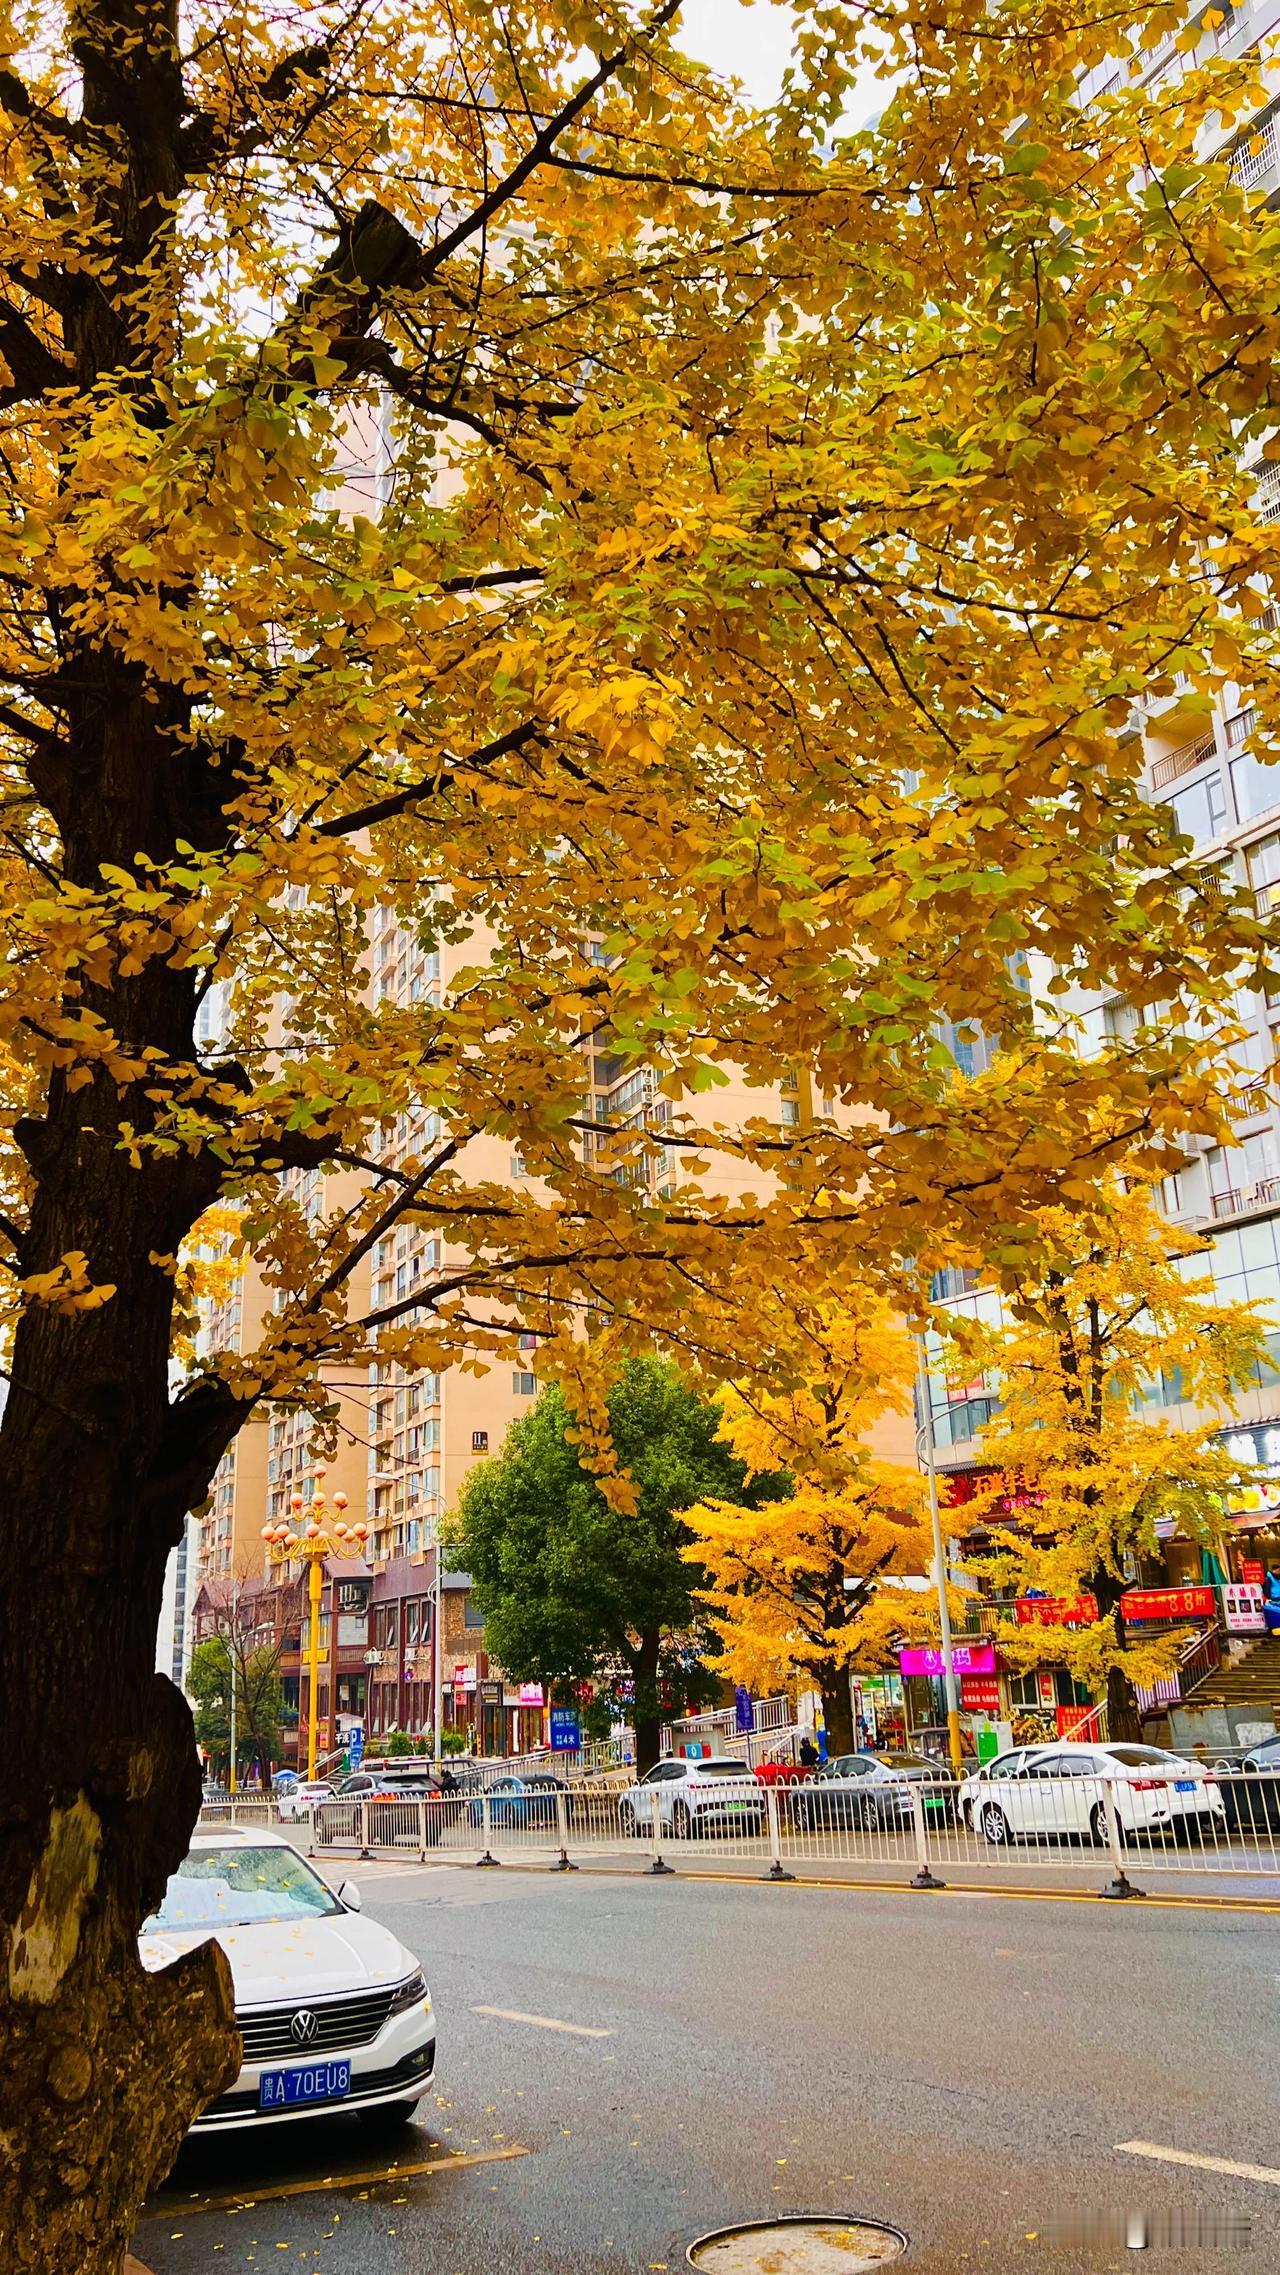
column 690, row 1797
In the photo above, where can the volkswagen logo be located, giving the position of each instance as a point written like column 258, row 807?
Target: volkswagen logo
column 303, row 2026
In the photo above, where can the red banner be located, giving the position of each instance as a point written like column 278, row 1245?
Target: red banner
column 1056, row 1611
column 1169, row 1603
column 1072, row 1718
column 980, row 1693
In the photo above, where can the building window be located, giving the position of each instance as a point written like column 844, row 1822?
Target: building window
column 471, row 1617
column 524, row 1385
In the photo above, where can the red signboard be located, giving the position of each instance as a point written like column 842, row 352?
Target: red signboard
column 1055, row 1611
column 1072, row 1718
column 1252, row 1571
column 980, row 1693
column 1169, row 1603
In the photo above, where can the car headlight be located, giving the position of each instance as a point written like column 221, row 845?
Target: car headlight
column 412, row 1992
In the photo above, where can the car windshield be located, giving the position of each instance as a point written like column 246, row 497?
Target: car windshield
column 906, row 1761
column 720, row 1769
column 238, row 1886
column 1140, row 1757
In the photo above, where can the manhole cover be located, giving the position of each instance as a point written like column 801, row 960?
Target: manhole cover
column 800, row 2246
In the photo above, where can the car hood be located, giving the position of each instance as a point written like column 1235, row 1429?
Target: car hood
column 275, row 1961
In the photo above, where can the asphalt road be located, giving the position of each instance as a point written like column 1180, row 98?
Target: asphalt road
column 963, row 2065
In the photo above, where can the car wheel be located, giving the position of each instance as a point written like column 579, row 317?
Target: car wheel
column 995, row 1826
column 681, row 1821
column 627, row 1824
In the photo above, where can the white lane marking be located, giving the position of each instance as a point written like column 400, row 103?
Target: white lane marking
column 1263, row 2172
column 541, row 2021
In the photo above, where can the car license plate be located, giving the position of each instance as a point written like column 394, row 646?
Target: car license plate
column 934, row 1801
column 1184, row 1785
column 319, row 2081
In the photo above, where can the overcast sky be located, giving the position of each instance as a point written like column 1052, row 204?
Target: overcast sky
column 752, row 43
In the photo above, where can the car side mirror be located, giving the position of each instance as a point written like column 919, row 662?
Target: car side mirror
column 350, row 1895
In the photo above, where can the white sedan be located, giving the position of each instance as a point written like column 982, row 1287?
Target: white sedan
column 1036, row 1792
column 688, row 1797
column 333, row 2011
column 296, row 1801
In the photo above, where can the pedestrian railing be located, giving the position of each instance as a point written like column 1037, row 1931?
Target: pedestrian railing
column 1216, row 1829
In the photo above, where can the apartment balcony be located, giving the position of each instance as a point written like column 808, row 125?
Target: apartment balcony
column 1255, row 164
column 1246, row 1200
column 1173, row 764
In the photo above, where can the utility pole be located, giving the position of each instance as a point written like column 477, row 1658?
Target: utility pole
column 924, row 1438
column 231, row 1655
column 437, row 1658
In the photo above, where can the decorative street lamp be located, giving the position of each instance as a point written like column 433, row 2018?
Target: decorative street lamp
column 318, row 1534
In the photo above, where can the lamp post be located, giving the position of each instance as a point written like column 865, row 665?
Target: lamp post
column 319, row 1534
column 924, row 1437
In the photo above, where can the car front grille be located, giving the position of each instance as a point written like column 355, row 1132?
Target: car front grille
column 268, row 2031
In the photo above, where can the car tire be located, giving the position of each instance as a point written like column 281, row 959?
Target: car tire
column 682, row 1826
column 628, row 1822
column 995, row 1826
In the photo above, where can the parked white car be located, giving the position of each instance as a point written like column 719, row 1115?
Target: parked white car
column 691, row 1797
column 295, row 1801
column 334, row 2012
column 1038, row 1792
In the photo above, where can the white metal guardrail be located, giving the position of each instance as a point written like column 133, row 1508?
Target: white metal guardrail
column 1110, row 1833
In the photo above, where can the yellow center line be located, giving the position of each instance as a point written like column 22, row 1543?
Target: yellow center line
column 245, row 2200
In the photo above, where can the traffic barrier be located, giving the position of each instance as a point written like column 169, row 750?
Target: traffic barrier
column 1109, row 1834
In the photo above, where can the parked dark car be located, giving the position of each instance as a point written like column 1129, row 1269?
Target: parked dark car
column 1251, row 1793
column 341, row 1818
column 871, row 1789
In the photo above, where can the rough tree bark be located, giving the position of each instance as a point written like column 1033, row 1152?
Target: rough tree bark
column 837, row 1712
column 646, row 1711
column 97, row 1470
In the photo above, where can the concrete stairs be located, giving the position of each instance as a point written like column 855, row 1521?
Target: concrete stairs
column 1246, row 1692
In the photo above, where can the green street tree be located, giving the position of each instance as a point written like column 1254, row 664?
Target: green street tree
column 572, row 1589
column 219, row 1665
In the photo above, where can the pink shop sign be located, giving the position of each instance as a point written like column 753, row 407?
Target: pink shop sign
column 970, row 1659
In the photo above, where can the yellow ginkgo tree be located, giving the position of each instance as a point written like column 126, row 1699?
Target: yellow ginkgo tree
column 1116, row 1316
column 694, row 563
column 825, row 1582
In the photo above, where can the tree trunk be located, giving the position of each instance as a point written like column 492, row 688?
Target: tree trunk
column 837, row 1712
column 1124, row 1723
column 646, row 1712
column 104, row 2064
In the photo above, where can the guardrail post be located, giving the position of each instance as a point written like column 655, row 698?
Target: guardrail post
column 422, row 1830
column 923, row 1877
column 365, row 1849
column 777, row 1870
column 1121, row 1887
column 311, row 1828
column 486, row 1856
column 562, row 1863
column 659, row 1863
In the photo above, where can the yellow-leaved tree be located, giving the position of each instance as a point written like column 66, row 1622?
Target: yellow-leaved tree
column 1115, row 1316
column 467, row 463
column 808, row 1590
